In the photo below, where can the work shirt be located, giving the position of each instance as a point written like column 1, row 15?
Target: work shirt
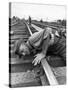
column 49, row 44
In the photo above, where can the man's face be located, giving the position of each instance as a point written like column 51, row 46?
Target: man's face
column 24, row 50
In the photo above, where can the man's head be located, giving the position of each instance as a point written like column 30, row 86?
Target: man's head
column 21, row 48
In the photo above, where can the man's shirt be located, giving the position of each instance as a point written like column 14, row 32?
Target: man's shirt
column 40, row 41
column 54, row 44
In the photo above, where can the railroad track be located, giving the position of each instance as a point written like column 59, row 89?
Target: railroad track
column 42, row 25
column 21, row 68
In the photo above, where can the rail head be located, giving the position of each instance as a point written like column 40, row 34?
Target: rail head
column 28, row 28
column 51, row 78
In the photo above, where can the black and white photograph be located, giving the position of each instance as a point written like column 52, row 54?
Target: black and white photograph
column 37, row 44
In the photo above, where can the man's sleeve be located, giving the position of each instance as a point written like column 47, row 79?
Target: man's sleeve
column 45, row 45
column 36, row 38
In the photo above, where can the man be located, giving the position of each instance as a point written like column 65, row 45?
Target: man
column 43, row 43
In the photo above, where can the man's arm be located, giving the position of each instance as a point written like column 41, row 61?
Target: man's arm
column 41, row 55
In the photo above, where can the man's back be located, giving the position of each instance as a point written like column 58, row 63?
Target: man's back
column 58, row 48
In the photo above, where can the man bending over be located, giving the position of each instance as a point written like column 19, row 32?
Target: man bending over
column 45, row 43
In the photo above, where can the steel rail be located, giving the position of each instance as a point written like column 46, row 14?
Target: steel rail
column 50, row 76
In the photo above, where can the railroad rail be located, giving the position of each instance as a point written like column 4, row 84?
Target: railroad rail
column 50, row 76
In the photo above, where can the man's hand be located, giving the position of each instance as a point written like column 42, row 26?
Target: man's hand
column 38, row 58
